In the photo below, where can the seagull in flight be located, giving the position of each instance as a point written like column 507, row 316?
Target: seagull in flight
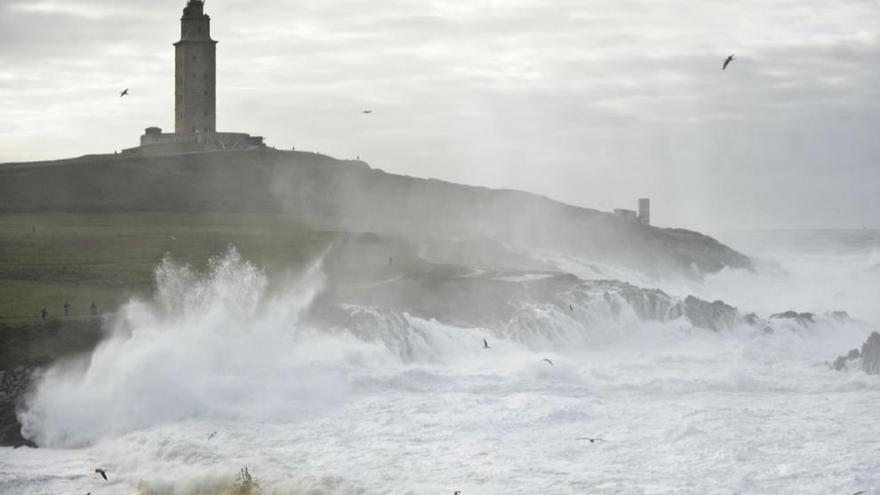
column 102, row 473
column 367, row 112
column 551, row 362
column 727, row 61
column 124, row 93
column 592, row 440
column 212, row 435
column 485, row 344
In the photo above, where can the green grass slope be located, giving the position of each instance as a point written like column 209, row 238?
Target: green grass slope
column 330, row 194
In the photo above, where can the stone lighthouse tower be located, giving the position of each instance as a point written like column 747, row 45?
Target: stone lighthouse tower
column 195, row 97
column 195, row 79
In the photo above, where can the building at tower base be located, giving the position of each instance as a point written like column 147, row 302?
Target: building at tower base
column 156, row 142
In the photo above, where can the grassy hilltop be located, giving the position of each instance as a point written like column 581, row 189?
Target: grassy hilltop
column 47, row 258
column 94, row 228
column 338, row 195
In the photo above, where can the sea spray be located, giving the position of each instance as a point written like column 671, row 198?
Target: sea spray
column 223, row 344
column 337, row 408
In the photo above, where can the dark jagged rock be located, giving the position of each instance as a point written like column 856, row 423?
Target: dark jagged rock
column 871, row 355
column 841, row 363
column 13, row 385
column 28, row 348
column 714, row 316
column 10, row 430
column 800, row 318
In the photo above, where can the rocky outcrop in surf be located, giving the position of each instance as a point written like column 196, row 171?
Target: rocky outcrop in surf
column 13, row 385
column 546, row 310
column 714, row 316
column 867, row 358
column 800, row 318
column 871, row 355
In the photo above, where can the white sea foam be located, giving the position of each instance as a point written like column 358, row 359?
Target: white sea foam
column 392, row 402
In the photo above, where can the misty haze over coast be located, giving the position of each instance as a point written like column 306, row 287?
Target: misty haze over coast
column 444, row 287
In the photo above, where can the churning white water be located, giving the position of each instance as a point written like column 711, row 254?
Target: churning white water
column 225, row 369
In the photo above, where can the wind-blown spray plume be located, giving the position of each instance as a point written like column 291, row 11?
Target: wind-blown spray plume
column 224, row 344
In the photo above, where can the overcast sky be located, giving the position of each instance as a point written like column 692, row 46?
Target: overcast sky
column 591, row 102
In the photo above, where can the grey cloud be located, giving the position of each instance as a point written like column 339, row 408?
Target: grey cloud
column 591, row 102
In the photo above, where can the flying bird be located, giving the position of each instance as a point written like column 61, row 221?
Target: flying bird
column 367, row 112
column 592, row 440
column 212, row 435
column 728, row 61
column 102, row 473
column 571, row 307
column 124, row 93
column 485, row 344
column 551, row 362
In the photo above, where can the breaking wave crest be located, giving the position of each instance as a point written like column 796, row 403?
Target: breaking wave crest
column 222, row 344
column 234, row 343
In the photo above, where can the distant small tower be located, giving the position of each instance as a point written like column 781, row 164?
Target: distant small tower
column 195, row 72
column 645, row 211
